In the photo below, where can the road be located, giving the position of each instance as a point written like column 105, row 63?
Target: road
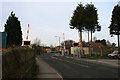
column 73, row 68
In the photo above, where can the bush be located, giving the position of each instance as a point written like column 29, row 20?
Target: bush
column 38, row 49
column 85, row 56
column 19, row 63
column 93, row 56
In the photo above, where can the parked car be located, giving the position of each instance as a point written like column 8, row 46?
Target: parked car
column 52, row 52
column 113, row 55
column 118, row 56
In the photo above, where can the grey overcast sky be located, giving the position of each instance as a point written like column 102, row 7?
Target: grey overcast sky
column 50, row 19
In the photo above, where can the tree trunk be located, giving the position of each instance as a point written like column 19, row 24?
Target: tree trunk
column 88, row 43
column 91, row 44
column 101, row 53
column 80, row 41
column 118, row 44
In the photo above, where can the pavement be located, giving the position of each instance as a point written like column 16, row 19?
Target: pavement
column 46, row 71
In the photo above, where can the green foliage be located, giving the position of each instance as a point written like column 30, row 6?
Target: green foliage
column 92, row 56
column 91, row 18
column 68, row 44
column 84, row 44
column 95, row 55
column 13, row 29
column 115, row 21
column 85, row 56
column 85, row 18
column 52, row 47
column 36, row 46
column 113, row 45
column 103, row 42
column 77, row 20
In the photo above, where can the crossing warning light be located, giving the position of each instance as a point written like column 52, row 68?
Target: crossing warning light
column 26, row 43
column 75, row 44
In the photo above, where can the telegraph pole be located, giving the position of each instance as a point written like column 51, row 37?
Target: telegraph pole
column 59, row 42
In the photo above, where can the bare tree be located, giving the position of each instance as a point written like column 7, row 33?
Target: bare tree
column 37, row 46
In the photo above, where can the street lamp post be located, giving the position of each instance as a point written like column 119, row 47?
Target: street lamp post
column 59, row 41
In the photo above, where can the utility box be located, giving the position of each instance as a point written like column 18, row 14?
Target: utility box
column 3, row 39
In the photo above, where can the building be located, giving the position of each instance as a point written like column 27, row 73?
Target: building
column 97, row 48
column 46, row 49
column 57, row 48
column 49, row 49
column 3, row 39
column 76, row 50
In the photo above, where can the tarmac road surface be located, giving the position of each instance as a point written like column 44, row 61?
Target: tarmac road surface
column 70, row 68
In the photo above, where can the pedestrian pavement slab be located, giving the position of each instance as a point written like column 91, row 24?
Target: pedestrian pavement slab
column 45, row 70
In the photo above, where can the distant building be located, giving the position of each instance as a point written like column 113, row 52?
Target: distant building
column 77, row 50
column 57, row 48
column 49, row 49
column 46, row 49
column 97, row 48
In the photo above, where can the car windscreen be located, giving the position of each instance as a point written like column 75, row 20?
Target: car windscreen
column 115, row 52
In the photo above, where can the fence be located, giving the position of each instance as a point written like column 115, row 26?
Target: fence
column 105, row 50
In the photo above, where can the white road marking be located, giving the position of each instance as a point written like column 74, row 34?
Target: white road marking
column 71, row 62
column 59, row 75
column 55, row 70
column 99, row 61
